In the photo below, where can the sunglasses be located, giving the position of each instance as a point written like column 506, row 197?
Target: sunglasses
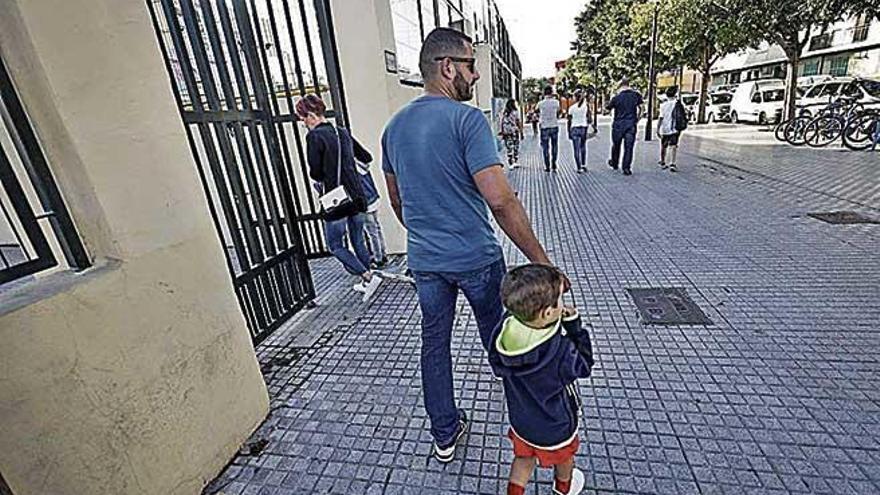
column 471, row 61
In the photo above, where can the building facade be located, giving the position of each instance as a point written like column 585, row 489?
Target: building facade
column 846, row 48
column 156, row 214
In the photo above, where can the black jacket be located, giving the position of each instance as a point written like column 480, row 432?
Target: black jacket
column 542, row 400
column 322, row 148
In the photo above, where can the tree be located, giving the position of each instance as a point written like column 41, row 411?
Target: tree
column 788, row 24
column 698, row 33
column 533, row 88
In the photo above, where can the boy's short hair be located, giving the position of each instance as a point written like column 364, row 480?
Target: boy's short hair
column 529, row 289
column 671, row 91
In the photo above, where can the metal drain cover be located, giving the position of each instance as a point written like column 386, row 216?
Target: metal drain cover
column 667, row 306
column 843, row 217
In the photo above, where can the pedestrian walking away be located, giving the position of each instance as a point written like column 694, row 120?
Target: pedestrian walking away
column 331, row 153
column 548, row 111
column 670, row 124
column 372, row 228
column 580, row 121
column 541, row 350
column 511, row 130
column 533, row 119
column 439, row 156
column 627, row 106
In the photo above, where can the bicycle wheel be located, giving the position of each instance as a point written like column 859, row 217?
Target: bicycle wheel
column 779, row 132
column 823, row 131
column 794, row 131
column 857, row 135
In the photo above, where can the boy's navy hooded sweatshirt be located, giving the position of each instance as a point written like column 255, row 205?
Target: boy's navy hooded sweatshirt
column 538, row 367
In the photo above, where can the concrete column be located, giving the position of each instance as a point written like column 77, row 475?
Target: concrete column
column 364, row 31
column 138, row 376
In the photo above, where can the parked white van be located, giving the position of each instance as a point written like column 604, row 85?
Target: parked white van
column 758, row 101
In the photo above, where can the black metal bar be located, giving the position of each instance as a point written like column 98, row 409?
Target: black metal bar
column 189, row 135
column 308, row 37
column 280, row 161
column 256, row 116
column 40, row 175
column 296, row 63
column 331, row 60
column 44, row 257
column 266, row 99
column 261, row 238
column 245, row 218
column 289, row 117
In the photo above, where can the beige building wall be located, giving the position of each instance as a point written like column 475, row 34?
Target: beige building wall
column 138, row 375
column 364, row 31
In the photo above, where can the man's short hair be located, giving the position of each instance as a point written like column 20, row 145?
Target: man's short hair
column 441, row 42
column 529, row 289
column 671, row 91
column 548, row 90
column 624, row 81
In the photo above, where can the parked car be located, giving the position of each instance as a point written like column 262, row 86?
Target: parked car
column 864, row 91
column 758, row 101
column 719, row 107
column 690, row 101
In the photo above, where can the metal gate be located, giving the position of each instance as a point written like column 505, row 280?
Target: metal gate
column 236, row 67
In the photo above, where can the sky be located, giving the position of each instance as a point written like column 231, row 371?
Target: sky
column 541, row 31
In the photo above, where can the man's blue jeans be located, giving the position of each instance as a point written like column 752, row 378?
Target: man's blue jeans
column 437, row 293
column 623, row 132
column 356, row 263
column 550, row 138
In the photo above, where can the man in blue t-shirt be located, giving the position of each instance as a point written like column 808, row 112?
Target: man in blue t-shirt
column 443, row 175
column 627, row 106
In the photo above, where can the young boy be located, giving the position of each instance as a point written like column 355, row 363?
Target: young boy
column 539, row 352
column 666, row 130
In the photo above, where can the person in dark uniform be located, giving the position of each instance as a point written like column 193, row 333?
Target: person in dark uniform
column 627, row 106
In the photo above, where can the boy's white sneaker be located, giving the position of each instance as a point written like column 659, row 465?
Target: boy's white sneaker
column 360, row 287
column 577, row 483
column 371, row 287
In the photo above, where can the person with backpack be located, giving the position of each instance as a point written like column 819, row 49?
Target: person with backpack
column 672, row 121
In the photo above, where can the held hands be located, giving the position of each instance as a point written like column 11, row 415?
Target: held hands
column 568, row 311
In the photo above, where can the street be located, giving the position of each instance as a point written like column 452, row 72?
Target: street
column 779, row 394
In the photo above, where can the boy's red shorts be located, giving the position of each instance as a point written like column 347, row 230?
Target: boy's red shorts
column 546, row 458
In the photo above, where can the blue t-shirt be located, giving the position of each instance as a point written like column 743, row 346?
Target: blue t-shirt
column 625, row 105
column 434, row 146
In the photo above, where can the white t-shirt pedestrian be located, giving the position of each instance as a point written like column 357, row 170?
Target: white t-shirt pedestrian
column 548, row 108
column 580, row 115
column 667, row 123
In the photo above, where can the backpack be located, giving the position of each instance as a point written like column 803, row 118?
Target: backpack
column 679, row 117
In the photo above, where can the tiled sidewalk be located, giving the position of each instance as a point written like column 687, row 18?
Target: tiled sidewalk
column 781, row 394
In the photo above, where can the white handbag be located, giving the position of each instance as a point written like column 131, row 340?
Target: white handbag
column 337, row 197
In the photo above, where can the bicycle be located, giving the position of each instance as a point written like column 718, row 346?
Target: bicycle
column 830, row 124
column 863, row 132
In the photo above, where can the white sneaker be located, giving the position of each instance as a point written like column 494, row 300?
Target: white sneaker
column 361, row 287
column 371, row 287
column 577, row 483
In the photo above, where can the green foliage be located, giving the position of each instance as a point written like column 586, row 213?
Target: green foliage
column 533, row 87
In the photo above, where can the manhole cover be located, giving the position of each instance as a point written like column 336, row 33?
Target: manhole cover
column 843, row 217
column 667, row 306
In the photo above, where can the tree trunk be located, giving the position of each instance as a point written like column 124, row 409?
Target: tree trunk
column 704, row 86
column 794, row 57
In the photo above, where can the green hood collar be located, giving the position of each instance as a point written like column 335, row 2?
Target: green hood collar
column 516, row 338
